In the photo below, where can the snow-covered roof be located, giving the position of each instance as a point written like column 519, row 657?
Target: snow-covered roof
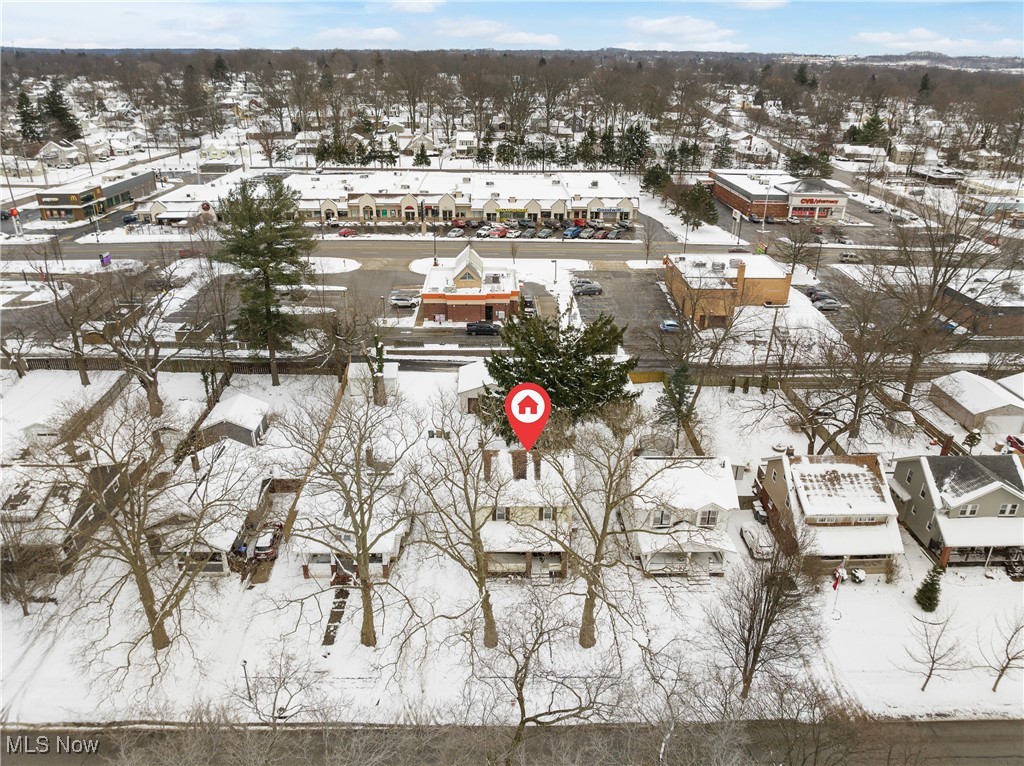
column 702, row 266
column 1013, row 383
column 981, row 531
column 976, row 394
column 838, row 485
column 240, row 410
column 858, row 539
column 473, row 376
column 955, row 479
column 685, row 484
column 510, row 537
column 684, row 538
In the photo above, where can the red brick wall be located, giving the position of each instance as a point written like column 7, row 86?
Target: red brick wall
column 730, row 198
column 467, row 312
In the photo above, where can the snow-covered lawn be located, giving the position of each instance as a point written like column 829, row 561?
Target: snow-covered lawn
column 20, row 295
column 68, row 266
column 329, row 265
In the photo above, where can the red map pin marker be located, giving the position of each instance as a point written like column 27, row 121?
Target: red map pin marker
column 527, row 408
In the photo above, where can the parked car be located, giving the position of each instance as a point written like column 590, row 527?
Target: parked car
column 821, row 239
column 574, row 281
column 130, row 218
column 580, row 222
column 456, row 233
column 844, row 241
column 850, row 258
column 625, row 225
column 572, row 232
column 827, row 304
column 595, row 223
column 586, row 234
column 64, row 166
column 482, row 328
column 754, row 218
column 760, row 515
column 459, row 223
column 514, row 233
column 771, row 219
column 757, row 539
column 739, row 250
column 617, row 234
column 544, row 233
column 499, row 233
column 265, row 547
column 793, row 220
column 876, row 209
column 670, row 325
column 404, row 301
column 592, row 288
column 483, row 232
column 529, row 233
column 602, row 234
column 475, row 224
column 816, row 293
column 549, row 223
column 526, row 223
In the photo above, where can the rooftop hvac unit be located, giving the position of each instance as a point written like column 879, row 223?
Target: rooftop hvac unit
column 699, row 264
column 314, row 179
column 364, row 175
column 449, row 288
column 511, row 199
column 382, row 191
column 554, row 182
column 489, row 183
column 593, row 184
column 466, row 180
column 718, row 266
column 405, row 186
column 735, row 263
column 494, row 195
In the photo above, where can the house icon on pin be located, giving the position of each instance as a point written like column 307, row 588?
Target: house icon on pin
column 528, row 405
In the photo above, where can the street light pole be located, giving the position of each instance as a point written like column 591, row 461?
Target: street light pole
column 555, row 264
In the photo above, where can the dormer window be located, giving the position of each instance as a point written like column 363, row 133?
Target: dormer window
column 969, row 509
column 662, row 518
column 708, row 518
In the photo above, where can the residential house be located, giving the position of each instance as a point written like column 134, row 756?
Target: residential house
column 840, row 503
column 466, row 143
column 860, row 153
column 965, row 510
column 525, row 532
column 978, row 403
column 678, row 524
column 472, row 383
column 60, row 153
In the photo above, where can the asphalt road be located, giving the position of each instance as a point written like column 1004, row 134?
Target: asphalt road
column 942, row 743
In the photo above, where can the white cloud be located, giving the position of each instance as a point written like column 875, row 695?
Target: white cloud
column 469, row 28
column 681, row 33
column 493, row 32
column 357, row 35
column 415, row 6
column 920, row 38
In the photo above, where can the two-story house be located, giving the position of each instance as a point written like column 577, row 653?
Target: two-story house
column 677, row 523
column 839, row 503
column 963, row 509
column 526, row 529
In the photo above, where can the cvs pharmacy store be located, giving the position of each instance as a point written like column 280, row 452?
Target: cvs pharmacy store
column 814, row 200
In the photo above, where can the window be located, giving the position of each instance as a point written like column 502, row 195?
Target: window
column 970, row 509
column 662, row 518
column 546, row 513
column 865, row 519
column 708, row 518
column 913, row 510
column 910, row 477
column 467, row 277
column 922, row 492
column 1008, row 509
column 500, row 513
column 775, row 475
column 826, row 520
column 928, row 526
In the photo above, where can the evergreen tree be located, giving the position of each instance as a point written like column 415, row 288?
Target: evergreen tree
column 673, row 406
column 671, row 160
column 575, row 365
column 266, row 240
column 634, row 148
column 566, row 154
column 485, row 151
column 690, row 155
column 873, row 132
column 587, row 150
column 421, row 160
column 63, row 124
column 193, row 100
column 607, row 143
column 927, row 596
column 800, row 77
column 722, row 157
column 219, row 72
column 925, row 88
column 803, row 165
column 654, row 179
column 29, row 124
column 505, row 154
column 695, row 206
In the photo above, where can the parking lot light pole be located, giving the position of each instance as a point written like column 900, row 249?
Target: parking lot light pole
column 555, row 264
column 383, row 308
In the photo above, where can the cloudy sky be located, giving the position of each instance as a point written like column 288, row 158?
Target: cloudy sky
column 812, row 26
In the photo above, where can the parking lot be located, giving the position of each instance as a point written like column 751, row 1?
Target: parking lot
column 635, row 298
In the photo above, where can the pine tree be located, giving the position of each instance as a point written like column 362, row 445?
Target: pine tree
column 673, row 406
column 56, row 109
column 421, row 160
column 634, row 148
column 873, row 132
column 219, row 72
column 654, row 179
column 586, row 153
column 264, row 237
column 29, row 123
column 927, row 596
column 575, row 365
column 607, row 142
column 722, row 157
column 925, row 87
column 695, row 206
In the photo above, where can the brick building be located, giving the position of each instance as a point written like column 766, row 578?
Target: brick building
column 81, row 200
column 468, row 291
column 987, row 302
column 709, row 288
column 777, row 194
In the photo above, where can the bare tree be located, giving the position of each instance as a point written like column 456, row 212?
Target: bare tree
column 459, row 497
column 28, row 570
column 935, row 649
column 1006, row 646
column 763, row 620
column 361, row 499
column 647, row 235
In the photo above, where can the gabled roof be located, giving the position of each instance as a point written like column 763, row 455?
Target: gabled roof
column 469, row 257
column 838, row 485
column 955, row 479
column 473, row 376
column 240, row 410
column 976, row 394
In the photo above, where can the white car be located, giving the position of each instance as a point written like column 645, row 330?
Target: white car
column 404, row 301
column 455, row 234
column 758, row 540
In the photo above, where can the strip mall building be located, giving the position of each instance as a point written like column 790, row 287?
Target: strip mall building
column 778, row 194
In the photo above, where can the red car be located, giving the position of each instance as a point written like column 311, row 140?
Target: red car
column 581, row 222
column 603, row 234
column 1015, row 443
column 738, row 250
column 346, row 232
column 499, row 232
column 459, row 223
column 265, row 547
column 817, row 230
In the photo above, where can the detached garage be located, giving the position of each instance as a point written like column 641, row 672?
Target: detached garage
column 977, row 402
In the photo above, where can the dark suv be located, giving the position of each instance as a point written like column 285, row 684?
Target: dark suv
column 482, row 328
